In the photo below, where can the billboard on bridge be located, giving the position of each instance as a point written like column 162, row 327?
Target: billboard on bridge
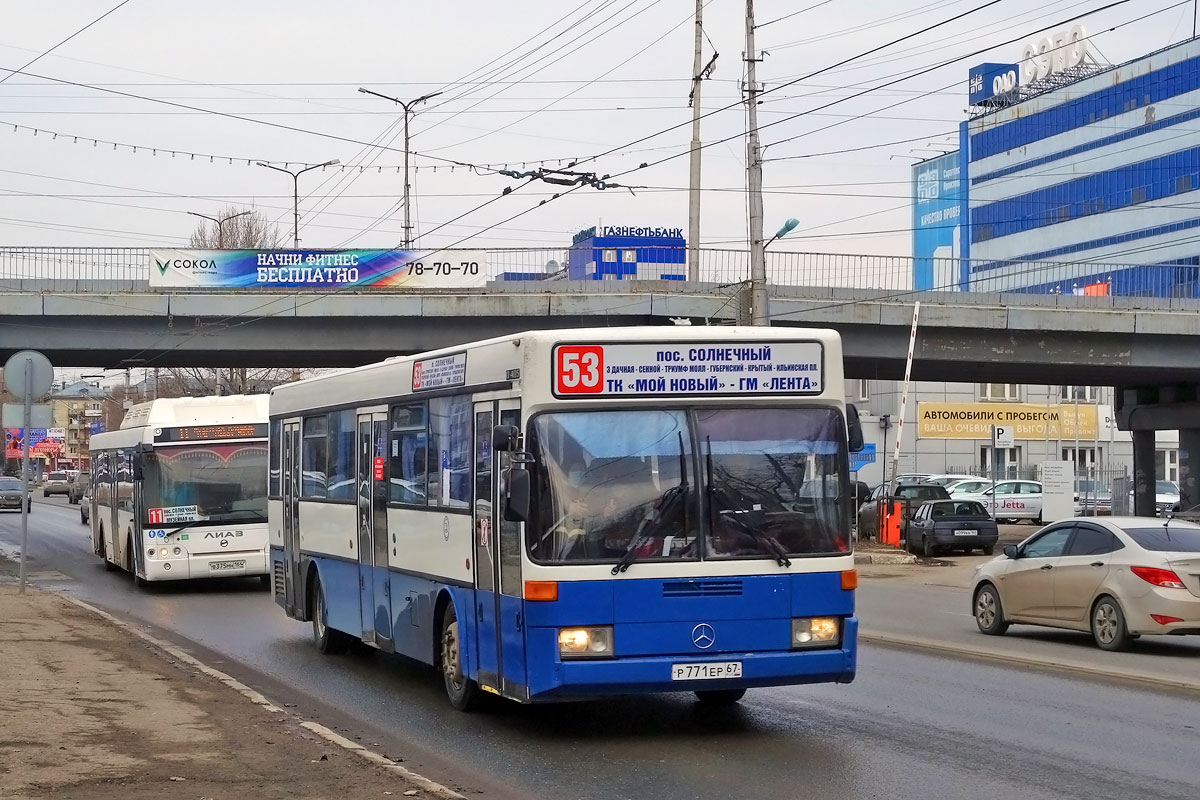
column 317, row 269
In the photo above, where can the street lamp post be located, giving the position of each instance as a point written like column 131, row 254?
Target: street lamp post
column 408, row 107
column 219, row 223
column 296, row 193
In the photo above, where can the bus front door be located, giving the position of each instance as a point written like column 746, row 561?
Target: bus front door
column 290, row 486
column 499, row 603
column 374, row 591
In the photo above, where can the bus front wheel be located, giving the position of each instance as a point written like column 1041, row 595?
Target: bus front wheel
column 462, row 691
column 329, row 641
column 131, row 564
column 720, row 697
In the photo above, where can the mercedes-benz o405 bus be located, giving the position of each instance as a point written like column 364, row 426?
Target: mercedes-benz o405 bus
column 564, row 514
column 180, row 490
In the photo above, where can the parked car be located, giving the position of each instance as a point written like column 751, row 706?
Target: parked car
column 12, row 492
column 914, row 493
column 1118, row 577
column 968, row 486
column 1010, row 500
column 1166, row 498
column 85, row 506
column 947, row 480
column 56, row 483
column 78, row 486
column 952, row 525
column 1092, row 498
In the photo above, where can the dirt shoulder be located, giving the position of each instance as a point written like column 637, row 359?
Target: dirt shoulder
column 87, row 710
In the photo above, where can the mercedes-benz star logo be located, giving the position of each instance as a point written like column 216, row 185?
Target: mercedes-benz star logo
column 703, row 636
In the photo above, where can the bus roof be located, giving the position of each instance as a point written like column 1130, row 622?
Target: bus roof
column 175, row 411
column 493, row 358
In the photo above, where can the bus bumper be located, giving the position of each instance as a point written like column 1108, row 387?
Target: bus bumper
column 635, row 675
column 208, row 565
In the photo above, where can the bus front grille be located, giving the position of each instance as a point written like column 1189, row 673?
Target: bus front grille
column 725, row 588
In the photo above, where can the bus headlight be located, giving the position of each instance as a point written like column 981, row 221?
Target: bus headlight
column 816, row 632
column 164, row 552
column 594, row 642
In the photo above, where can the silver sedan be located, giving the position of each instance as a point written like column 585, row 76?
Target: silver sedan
column 1119, row 578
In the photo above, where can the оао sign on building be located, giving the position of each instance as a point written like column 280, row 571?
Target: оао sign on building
column 318, row 269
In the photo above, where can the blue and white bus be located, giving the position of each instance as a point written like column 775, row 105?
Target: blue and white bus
column 563, row 514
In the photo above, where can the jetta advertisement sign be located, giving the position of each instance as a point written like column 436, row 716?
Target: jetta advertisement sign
column 317, row 269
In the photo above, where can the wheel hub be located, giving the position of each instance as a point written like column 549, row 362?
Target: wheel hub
column 450, row 656
column 985, row 609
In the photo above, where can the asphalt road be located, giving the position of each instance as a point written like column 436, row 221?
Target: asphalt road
column 912, row 725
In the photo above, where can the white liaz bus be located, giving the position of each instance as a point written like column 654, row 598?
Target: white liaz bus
column 563, row 514
column 180, row 490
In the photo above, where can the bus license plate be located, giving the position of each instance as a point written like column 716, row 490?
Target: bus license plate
column 966, row 533
column 713, row 670
column 218, row 566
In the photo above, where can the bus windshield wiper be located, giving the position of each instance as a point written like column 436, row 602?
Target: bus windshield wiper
column 666, row 502
column 655, row 514
column 191, row 523
column 781, row 556
column 246, row 515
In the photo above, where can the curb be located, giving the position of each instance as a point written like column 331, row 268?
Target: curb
column 258, row 699
column 1092, row 670
column 885, row 558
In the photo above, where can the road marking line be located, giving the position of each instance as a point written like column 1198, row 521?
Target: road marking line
column 256, row 697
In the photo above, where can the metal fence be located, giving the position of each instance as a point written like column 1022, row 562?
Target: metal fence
column 74, row 267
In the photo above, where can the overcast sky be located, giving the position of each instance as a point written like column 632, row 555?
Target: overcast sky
column 559, row 81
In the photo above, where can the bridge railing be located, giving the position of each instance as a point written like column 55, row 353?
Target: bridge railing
column 107, row 269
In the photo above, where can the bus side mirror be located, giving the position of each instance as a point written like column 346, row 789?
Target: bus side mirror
column 137, row 466
column 854, row 429
column 516, row 495
column 505, row 438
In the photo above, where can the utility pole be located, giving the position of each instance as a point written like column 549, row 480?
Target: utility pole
column 759, row 313
column 408, row 107
column 693, row 245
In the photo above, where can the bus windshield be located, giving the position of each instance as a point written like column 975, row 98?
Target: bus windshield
column 660, row 484
column 226, row 482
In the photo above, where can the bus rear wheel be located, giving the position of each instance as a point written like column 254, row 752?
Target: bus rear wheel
column 463, row 692
column 720, row 697
column 108, row 565
column 329, row 641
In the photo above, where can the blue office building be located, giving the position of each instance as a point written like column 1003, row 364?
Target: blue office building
column 1092, row 167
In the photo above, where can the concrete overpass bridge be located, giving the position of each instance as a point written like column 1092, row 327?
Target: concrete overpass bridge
column 964, row 336
column 84, row 311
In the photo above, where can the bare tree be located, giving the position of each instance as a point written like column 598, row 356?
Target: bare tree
column 201, row 381
column 250, row 231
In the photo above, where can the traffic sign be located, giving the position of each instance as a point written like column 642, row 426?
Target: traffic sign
column 40, row 374
column 1004, row 436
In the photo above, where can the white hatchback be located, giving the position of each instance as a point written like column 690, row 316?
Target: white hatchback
column 1009, row 500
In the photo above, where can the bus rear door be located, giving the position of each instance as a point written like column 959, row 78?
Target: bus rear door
column 374, row 592
column 291, row 477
